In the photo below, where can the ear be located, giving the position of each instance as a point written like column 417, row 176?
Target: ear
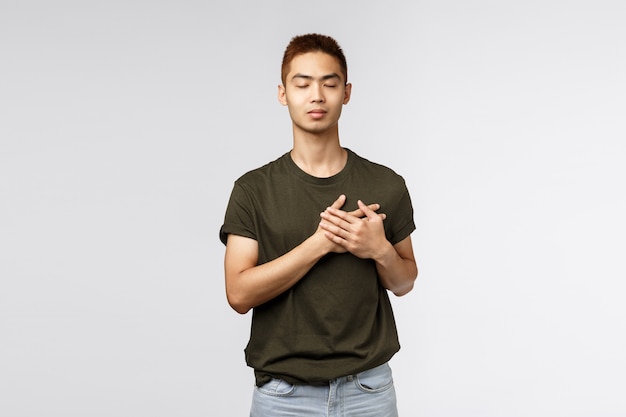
column 346, row 94
column 282, row 97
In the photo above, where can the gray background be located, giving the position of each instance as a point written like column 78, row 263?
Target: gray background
column 124, row 124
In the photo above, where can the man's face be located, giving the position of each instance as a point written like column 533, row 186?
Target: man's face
column 315, row 91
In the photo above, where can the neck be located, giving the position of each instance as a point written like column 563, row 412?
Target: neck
column 319, row 155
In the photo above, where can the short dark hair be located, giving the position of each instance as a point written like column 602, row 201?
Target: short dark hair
column 313, row 42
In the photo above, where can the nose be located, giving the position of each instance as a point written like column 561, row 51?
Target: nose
column 317, row 94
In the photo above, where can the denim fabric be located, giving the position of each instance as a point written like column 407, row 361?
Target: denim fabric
column 367, row 394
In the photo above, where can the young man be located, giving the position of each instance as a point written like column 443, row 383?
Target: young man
column 309, row 249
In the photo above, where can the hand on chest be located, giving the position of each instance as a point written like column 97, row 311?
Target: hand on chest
column 290, row 216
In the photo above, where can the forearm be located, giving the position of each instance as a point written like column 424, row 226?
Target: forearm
column 253, row 286
column 397, row 274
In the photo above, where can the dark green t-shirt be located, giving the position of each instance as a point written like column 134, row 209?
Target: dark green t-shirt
column 337, row 320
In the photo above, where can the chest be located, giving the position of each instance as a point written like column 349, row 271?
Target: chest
column 288, row 214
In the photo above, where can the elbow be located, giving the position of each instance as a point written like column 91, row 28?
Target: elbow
column 236, row 296
column 239, row 308
column 404, row 290
column 408, row 285
column 237, row 303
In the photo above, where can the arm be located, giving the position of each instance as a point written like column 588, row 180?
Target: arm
column 249, row 284
column 365, row 238
column 397, row 268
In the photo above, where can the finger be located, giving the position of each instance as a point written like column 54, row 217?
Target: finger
column 334, row 238
column 339, row 202
column 375, row 208
column 332, row 229
column 339, row 217
column 366, row 210
column 359, row 213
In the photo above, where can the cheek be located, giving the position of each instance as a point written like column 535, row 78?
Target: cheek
column 296, row 99
column 337, row 102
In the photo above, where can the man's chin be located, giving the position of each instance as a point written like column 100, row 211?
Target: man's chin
column 316, row 129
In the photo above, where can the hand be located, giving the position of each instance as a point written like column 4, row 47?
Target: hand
column 359, row 232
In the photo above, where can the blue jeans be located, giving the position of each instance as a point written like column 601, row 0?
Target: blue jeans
column 367, row 394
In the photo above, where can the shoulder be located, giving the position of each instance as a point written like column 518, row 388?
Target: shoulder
column 260, row 175
column 375, row 170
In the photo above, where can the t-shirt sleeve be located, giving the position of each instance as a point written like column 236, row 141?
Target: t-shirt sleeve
column 239, row 217
column 402, row 220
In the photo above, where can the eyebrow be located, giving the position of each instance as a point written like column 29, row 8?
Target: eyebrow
column 323, row 78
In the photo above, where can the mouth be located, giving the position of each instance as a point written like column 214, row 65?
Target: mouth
column 317, row 113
